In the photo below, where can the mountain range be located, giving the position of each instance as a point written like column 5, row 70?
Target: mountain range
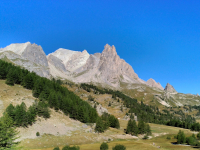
column 106, row 68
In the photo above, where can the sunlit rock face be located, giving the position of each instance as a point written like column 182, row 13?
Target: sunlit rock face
column 30, row 56
column 152, row 83
column 106, row 68
column 80, row 67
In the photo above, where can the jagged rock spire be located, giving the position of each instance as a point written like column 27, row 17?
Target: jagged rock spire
column 169, row 88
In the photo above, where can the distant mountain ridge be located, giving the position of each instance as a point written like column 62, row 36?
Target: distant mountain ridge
column 80, row 67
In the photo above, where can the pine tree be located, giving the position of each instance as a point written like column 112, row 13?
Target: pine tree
column 10, row 77
column 21, row 117
column 198, row 136
column 10, row 110
column 8, row 133
column 28, row 81
column 132, row 127
column 181, row 137
column 99, row 125
column 141, row 127
column 148, row 129
column 104, row 146
column 38, row 87
column 119, row 147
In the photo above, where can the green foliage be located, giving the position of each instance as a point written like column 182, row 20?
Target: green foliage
column 119, row 147
column 191, row 141
column 109, row 104
column 10, row 77
column 110, row 121
column 49, row 92
column 168, row 138
column 198, row 136
column 145, row 137
column 23, row 117
column 132, row 127
column 56, row 148
column 99, row 125
column 181, row 137
column 114, row 122
column 142, row 128
column 104, row 146
column 8, row 133
column 70, row 148
column 148, row 113
column 38, row 134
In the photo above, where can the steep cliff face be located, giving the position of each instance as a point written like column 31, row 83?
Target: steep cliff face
column 107, row 67
column 152, row 83
column 29, row 56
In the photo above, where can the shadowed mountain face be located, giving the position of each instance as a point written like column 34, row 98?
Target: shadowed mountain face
column 105, row 68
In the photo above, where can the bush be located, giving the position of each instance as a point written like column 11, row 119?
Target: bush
column 104, row 146
column 145, row 137
column 56, row 148
column 191, row 141
column 71, row 148
column 38, row 134
column 169, row 138
column 119, row 147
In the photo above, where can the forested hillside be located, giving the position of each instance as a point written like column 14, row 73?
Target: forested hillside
column 148, row 113
column 49, row 92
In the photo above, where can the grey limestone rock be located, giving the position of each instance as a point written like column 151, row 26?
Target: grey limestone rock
column 169, row 88
column 152, row 83
column 30, row 56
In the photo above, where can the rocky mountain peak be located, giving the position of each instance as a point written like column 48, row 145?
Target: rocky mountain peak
column 152, row 83
column 84, row 51
column 17, row 48
column 109, row 50
column 169, row 88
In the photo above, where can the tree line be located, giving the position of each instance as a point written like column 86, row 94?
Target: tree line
column 141, row 128
column 192, row 140
column 148, row 113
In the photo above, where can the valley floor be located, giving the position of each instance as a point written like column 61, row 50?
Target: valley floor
column 92, row 141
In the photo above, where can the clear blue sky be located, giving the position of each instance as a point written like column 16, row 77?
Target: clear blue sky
column 160, row 39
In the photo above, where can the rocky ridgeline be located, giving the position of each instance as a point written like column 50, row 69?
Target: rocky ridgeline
column 152, row 83
column 80, row 67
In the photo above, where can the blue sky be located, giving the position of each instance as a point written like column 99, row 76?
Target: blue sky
column 160, row 39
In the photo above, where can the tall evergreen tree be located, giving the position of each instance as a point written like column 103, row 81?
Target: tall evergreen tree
column 99, row 125
column 8, row 133
column 181, row 137
column 10, row 78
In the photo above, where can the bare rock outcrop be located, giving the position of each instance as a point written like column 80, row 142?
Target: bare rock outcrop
column 170, row 89
column 58, row 63
column 152, row 83
column 107, row 68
